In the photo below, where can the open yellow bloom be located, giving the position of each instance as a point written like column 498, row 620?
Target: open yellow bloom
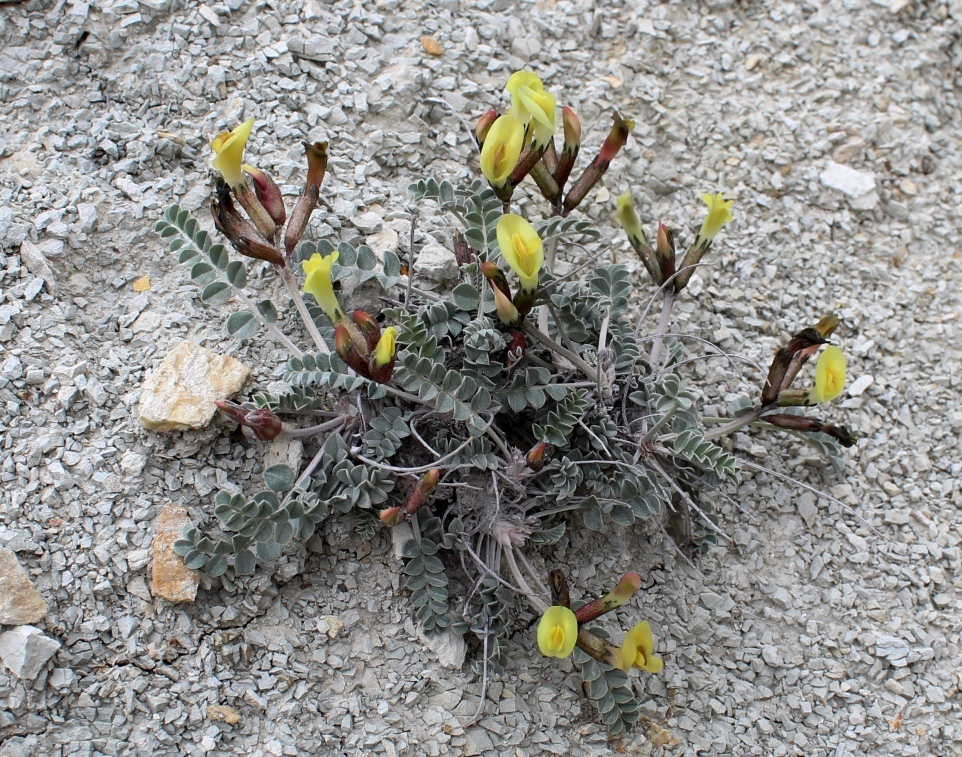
column 501, row 150
column 627, row 217
column 229, row 147
column 638, row 651
column 719, row 213
column 386, row 346
column 557, row 632
column 319, row 284
column 829, row 375
column 521, row 248
column 527, row 103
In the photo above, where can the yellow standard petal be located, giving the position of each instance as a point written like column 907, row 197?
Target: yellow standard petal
column 521, row 248
column 229, row 148
column 502, row 148
column 627, row 217
column 386, row 346
column 829, row 375
column 526, row 81
column 544, row 116
column 557, row 632
column 638, row 650
column 719, row 213
column 319, row 284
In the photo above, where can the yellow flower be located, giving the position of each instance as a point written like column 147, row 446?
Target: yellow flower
column 521, row 248
column 526, row 89
column 627, row 217
column 638, row 651
column 557, row 632
column 719, row 213
column 829, row 375
column 507, row 312
column 319, row 284
column 502, row 147
column 386, row 346
column 229, row 147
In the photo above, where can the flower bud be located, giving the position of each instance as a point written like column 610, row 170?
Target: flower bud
column 627, row 586
column 239, row 231
column 535, row 456
column 616, row 139
column 507, row 312
column 268, row 193
column 572, row 145
column 391, row 516
column 497, row 278
column 262, row 421
column 665, row 251
column 368, row 327
column 346, row 348
column 484, row 126
column 316, row 169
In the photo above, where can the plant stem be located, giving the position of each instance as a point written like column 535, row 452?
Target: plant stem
column 302, row 309
column 736, row 424
column 659, row 425
column 529, row 594
column 572, row 356
column 666, row 306
column 291, row 431
column 272, row 327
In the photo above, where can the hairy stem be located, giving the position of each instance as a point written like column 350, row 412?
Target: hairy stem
column 666, row 306
column 295, row 293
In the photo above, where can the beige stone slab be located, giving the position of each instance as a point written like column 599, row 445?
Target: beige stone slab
column 172, row 580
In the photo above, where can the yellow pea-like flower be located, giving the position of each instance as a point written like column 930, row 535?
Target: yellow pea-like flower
column 530, row 102
column 229, row 147
column 501, row 150
column 719, row 213
column 319, row 283
column 829, row 375
column 627, row 217
column 521, row 248
column 386, row 346
column 638, row 651
column 557, row 632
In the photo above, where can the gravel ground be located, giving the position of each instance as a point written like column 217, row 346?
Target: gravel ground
column 822, row 630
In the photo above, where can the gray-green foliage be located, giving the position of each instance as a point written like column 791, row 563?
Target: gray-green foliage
column 623, row 441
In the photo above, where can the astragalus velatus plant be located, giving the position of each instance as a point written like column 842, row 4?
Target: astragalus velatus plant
column 486, row 420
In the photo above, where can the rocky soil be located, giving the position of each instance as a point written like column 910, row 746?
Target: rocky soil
column 827, row 626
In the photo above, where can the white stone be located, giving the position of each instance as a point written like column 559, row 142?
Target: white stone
column 386, row 239
column 368, row 223
column 36, row 262
column 20, row 602
column 860, row 384
column 449, row 646
column 847, row 180
column 181, row 391
column 401, row 534
column 25, row 649
column 437, row 263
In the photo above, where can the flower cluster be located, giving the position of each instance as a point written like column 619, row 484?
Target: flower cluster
column 561, row 629
column 520, row 143
column 255, row 191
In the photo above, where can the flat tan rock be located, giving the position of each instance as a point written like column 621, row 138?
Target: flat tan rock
column 223, row 713
column 181, row 391
column 172, row 580
column 20, row 602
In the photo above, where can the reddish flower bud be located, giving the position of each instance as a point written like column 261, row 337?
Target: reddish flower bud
column 391, row 516
column 429, row 480
column 665, row 251
column 316, row 168
column 516, row 348
column 316, row 163
column 264, row 423
column 268, row 193
column 497, row 278
column 484, row 126
column 346, row 348
column 572, row 146
column 242, row 235
column 617, row 138
column 368, row 327
column 535, row 456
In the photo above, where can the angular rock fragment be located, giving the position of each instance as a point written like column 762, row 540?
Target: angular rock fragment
column 181, row 391
column 20, row 602
column 25, row 649
column 172, row 580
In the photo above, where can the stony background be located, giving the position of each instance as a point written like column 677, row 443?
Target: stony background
column 826, row 628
